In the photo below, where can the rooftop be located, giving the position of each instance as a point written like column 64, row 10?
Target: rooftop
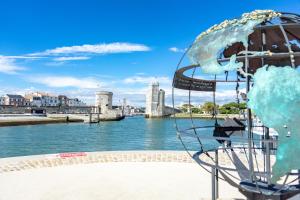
column 15, row 96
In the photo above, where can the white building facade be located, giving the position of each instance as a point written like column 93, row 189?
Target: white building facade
column 75, row 102
column 63, row 100
column 14, row 100
column 42, row 99
column 49, row 100
column 34, row 100
column 2, row 100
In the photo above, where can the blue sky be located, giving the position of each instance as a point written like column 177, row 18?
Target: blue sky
column 79, row 47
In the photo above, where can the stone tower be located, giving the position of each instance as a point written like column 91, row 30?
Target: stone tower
column 104, row 101
column 155, row 101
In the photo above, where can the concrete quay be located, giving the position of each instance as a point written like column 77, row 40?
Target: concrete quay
column 34, row 120
column 122, row 175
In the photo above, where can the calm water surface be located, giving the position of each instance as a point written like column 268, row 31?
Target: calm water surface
column 134, row 133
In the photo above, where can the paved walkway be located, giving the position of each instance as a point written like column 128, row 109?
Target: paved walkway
column 123, row 175
column 63, row 159
column 136, row 175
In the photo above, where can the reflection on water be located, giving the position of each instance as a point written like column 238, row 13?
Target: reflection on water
column 134, row 133
column 153, row 140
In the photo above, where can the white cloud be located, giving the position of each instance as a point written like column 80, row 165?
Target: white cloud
column 176, row 50
column 15, row 90
column 59, row 63
column 66, row 81
column 182, row 96
column 133, row 88
column 135, row 91
column 71, row 58
column 116, row 47
column 23, row 57
column 147, row 79
column 8, row 65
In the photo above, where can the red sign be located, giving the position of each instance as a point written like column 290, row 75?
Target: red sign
column 70, row 155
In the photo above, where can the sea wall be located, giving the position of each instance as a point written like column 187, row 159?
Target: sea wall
column 20, row 121
column 167, row 112
column 5, row 109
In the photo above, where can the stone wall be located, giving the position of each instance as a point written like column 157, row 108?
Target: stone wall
column 4, row 109
column 170, row 110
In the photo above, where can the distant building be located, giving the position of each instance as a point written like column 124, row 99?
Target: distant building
column 104, row 105
column 126, row 108
column 155, row 101
column 27, row 102
column 136, row 110
column 2, row 100
column 14, row 100
column 42, row 99
column 47, row 99
column 50, row 100
column 104, row 101
column 75, row 102
column 34, row 100
column 63, row 100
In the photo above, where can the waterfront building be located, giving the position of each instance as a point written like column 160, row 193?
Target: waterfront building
column 27, row 102
column 14, row 99
column 49, row 100
column 63, row 100
column 75, row 102
column 155, row 101
column 34, row 100
column 136, row 111
column 41, row 99
column 126, row 108
column 2, row 100
column 45, row 99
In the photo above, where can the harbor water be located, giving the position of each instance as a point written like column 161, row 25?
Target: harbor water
column 132, row 133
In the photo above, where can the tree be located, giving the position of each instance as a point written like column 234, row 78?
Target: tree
column 209, row 107
column 232, row 108
column 183, row 109
column 224, row 110
column 186, row 107
column 243, row 106
column 196, row 110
